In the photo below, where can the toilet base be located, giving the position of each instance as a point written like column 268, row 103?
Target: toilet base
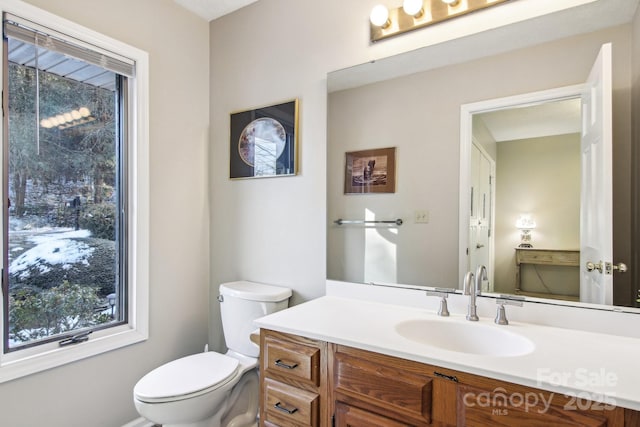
column 240, row 409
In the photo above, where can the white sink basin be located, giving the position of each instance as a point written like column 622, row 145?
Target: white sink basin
column 469, row 337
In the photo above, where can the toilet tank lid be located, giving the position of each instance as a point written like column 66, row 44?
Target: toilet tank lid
column 255, row 291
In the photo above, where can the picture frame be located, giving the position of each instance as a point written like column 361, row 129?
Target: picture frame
column 263, row 142
column 370, row 171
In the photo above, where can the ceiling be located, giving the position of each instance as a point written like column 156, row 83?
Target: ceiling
column 547, row 119
column 212, row 9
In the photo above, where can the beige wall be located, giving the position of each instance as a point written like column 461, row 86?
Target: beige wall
column 541, row 177
column 97, row 392
column 420, row 114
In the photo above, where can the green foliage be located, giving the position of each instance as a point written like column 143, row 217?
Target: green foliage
column 58, row 156
column 100, row 219
column 40, row 314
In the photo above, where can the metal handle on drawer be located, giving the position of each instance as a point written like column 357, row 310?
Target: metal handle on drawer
column 280, row 363
column 281, row 408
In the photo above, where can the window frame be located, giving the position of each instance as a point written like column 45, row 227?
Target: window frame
column 16, row 364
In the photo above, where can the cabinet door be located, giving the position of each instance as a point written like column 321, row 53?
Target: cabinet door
column 349, row 416
column 403, row 391
column 527, row 408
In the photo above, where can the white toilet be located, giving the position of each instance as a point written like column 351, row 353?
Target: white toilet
column 211, row 389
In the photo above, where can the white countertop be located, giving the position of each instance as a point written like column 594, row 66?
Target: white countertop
column 593, row 366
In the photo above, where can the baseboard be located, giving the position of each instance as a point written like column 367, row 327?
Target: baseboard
column 139, row 422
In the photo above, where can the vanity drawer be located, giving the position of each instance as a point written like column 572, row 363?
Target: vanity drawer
column 288, row 406
column 291, row 360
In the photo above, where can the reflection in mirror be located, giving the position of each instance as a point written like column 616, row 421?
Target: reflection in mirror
column 526, row 235
column 420, row 115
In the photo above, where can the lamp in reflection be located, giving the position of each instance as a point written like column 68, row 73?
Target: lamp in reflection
column 525, row 224
column 416, row 14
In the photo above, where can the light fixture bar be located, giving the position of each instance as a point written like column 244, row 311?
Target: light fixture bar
column 435, row 11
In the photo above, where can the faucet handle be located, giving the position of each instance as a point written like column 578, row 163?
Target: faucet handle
column 501, row 315
column 442, row 293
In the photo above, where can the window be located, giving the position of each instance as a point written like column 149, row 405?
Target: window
column 74, row 229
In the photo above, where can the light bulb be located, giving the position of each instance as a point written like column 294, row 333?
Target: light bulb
column 412, row 7
column 451, row 2
column 84, row 112
column 380, row 16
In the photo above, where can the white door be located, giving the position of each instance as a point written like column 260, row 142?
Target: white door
column 480, row 224
column 596, row 240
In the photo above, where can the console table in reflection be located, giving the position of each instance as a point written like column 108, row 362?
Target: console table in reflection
column 562, row 257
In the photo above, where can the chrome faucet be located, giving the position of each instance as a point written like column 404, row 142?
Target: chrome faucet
column 467, row 289
column 473, row 288
column 481, row 274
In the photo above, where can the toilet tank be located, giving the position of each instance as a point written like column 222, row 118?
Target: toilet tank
column 240, row 304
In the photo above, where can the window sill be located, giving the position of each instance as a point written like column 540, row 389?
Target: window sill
column 20, row 364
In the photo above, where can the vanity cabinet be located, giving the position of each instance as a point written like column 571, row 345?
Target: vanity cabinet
column 293, row 381
column 369, row 386
column 326, row 384
column 510, row 405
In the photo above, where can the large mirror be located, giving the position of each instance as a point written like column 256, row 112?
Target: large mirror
column 376, row 105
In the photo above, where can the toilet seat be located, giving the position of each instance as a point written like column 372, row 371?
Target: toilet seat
column 186, row 377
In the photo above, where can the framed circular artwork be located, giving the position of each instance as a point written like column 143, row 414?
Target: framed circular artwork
column 263, row 141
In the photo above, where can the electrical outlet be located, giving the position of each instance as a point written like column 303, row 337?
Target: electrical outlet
column 421, row 217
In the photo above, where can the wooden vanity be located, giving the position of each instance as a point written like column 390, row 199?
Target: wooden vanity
column 306, row 382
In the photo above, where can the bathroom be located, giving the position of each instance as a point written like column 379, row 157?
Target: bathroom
column 204, row 228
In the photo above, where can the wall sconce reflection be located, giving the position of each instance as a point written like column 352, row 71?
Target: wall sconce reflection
column 416, row 14
column 525, row 224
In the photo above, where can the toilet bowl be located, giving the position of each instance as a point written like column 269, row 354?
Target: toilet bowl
column 211, row 389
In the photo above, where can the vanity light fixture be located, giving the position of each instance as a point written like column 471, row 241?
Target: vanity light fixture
column 413, row 8
column 380, row 17
column 525, row 224
column 416, row 14
column 68, row 119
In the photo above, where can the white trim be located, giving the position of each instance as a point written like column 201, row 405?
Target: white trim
column 466, row 135
column 24, row 362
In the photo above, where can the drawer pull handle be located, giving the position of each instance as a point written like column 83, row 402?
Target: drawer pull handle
column 280, row 363
column 281, row 408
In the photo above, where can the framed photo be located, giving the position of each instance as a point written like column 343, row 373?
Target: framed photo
column 264, row 142
column 370, row 171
